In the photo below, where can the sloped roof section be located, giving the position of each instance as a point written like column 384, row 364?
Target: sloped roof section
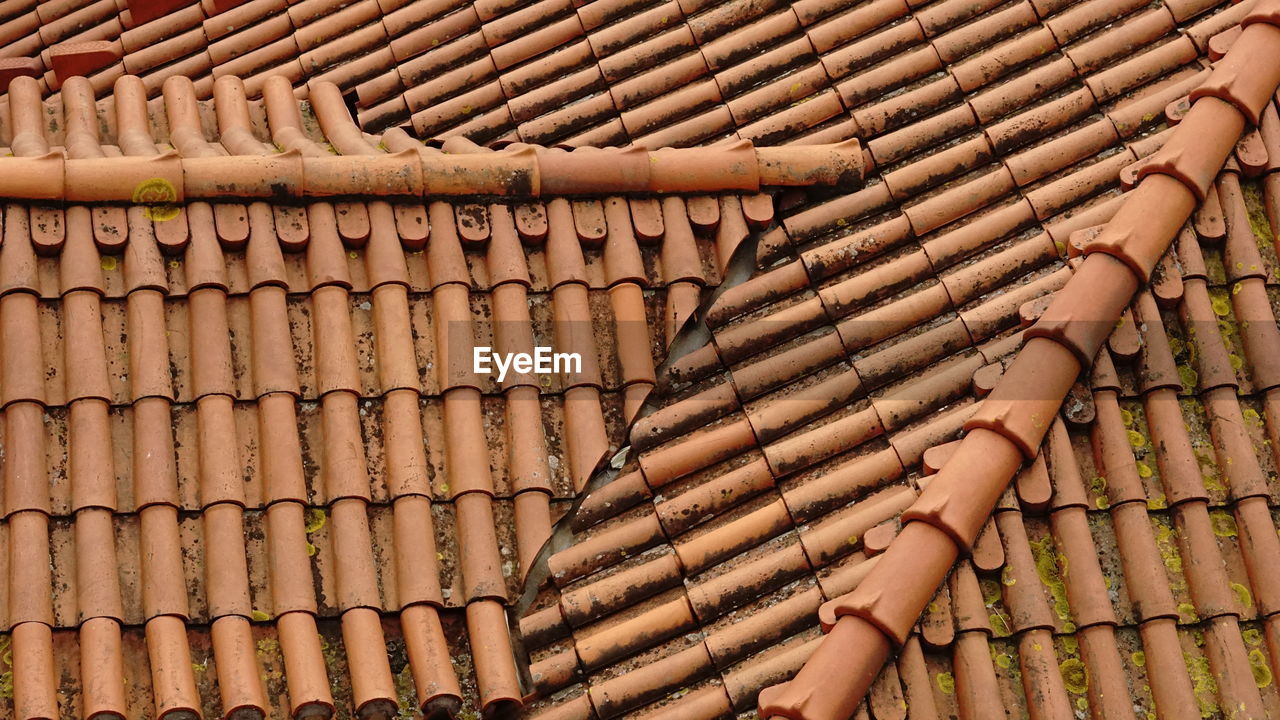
column 804, row 473
column 1014, row 419
column 605, row 72
column 249, row 468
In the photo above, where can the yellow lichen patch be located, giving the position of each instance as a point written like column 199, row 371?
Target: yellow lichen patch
column 1047, row 559
column 1006, row 576
column 259, row 616
column 1188, row 376
column 1144, row 470
column 1126, row 417
column 1224, row 525
column 1137, row 439
column 1098, row 485
column 1070, row 644
column 1203, row 684
column 1157, row 502
column 1258, row 222
column 406, row 697
column 162, row 213
column 1261, row 670
column 108, row 263
column 1220, row 302
column 1243, row 595
column 1002, row 660
column 999, row 626
column 1252, row 636
column 1166, row 541
column 315, row 519
column 333, row 656
column 268, row 646
column 159, row 196
column 1212, row 480
column 6, row 678
column 1139, row 658
column 1075, row 676
column 946, row 682
column 1187, row 613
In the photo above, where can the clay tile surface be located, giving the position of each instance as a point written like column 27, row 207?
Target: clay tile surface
column 250, row 469
column 928, row 359
column 798, row 505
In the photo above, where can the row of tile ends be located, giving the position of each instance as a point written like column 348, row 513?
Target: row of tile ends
column 865, row 625
column 196, row 170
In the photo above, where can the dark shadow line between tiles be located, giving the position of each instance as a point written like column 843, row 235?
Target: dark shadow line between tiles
column 693, row 335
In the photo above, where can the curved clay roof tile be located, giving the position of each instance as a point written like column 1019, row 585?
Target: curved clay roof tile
column 995, row 416
column 790, row 420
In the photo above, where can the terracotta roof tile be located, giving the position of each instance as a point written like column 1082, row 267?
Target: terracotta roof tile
column 240, row 409
column 840, row 359
column 1077, row 166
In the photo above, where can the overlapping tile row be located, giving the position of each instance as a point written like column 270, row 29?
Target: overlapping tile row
column 249, row 468
column 652, row 73
column 771, row 479
column 611, row 73
column 252, row 39
column 696, row 72
column 1010, row 424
